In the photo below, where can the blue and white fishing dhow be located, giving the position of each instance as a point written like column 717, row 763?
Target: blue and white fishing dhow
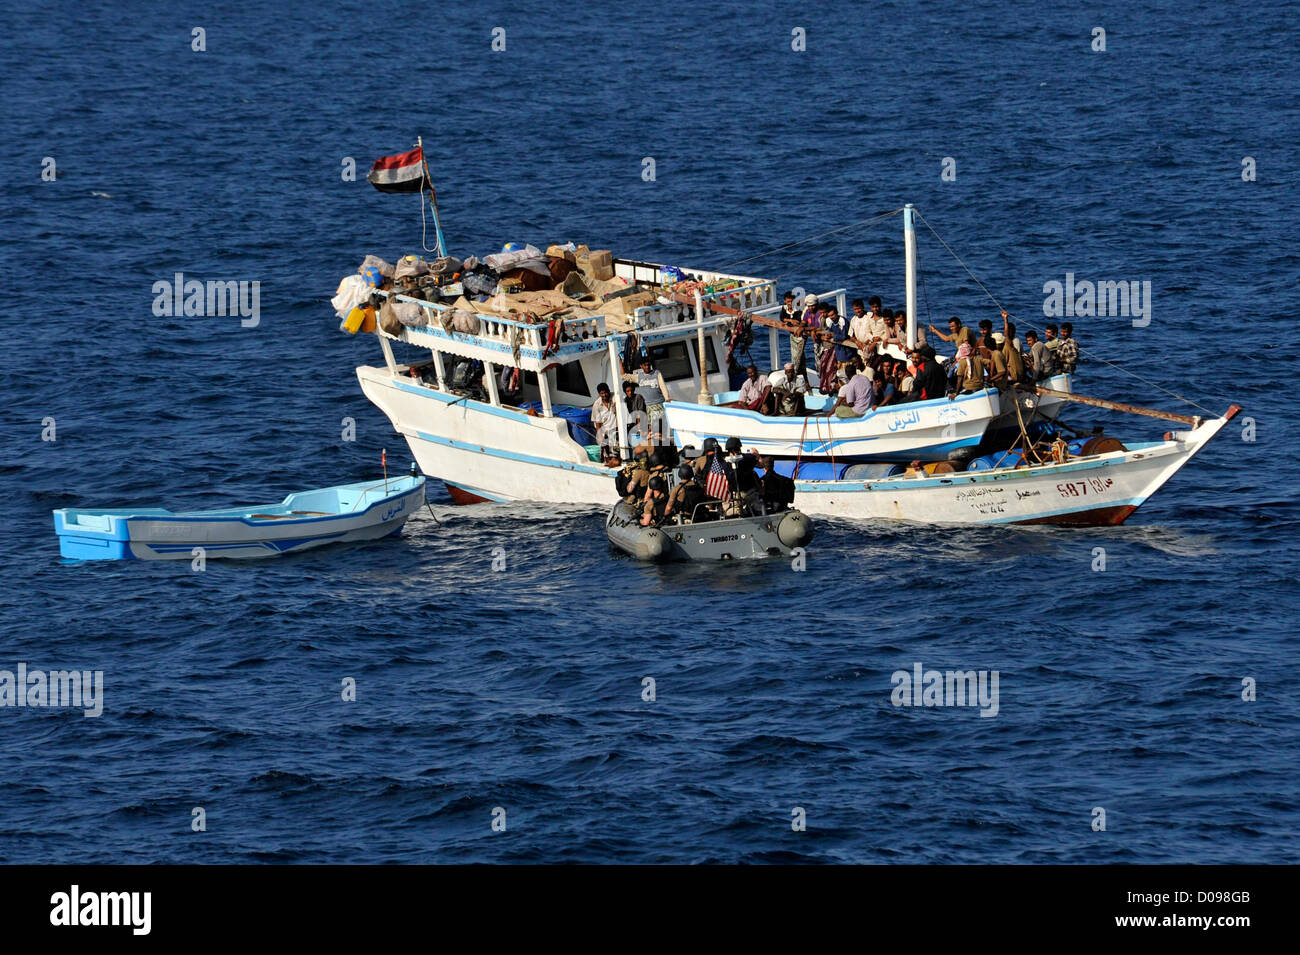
column 350, row 512
column 490, row 372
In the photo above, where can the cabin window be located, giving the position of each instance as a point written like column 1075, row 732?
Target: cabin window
column 569, row 378
column 671, row 360
column 710, row 355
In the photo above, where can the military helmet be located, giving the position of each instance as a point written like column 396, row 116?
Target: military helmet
column 657, row 483
column 733, row 445
column 686, row 472
column 710, row 444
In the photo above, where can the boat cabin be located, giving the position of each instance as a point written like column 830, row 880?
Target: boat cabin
column 564, row 349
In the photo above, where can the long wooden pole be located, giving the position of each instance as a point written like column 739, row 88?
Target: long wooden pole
column 1119, row 406
column 756, row 319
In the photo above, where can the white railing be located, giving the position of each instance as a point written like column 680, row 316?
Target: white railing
column 498, row 328
column 747, row 298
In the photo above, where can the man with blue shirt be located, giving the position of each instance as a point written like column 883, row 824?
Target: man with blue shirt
column 839, row 330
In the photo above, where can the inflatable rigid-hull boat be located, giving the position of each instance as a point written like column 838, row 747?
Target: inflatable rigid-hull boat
column 735, row 538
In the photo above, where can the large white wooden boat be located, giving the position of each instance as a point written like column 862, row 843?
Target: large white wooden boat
column 488, row 448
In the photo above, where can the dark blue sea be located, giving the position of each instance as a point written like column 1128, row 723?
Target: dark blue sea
column 1120, row 689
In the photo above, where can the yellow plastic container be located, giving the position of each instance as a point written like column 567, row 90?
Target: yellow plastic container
column 355, row 318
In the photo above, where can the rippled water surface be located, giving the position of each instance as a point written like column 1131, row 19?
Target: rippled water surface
column 522, row 689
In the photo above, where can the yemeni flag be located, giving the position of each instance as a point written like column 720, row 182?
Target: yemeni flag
column 401, row 173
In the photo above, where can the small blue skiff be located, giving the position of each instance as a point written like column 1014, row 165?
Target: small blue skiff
column 349, row 512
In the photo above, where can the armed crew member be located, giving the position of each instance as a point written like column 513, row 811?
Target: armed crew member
column 685, row 496
column 638, row 477
column 656, row 499
column 745, row 485
column 778, row 490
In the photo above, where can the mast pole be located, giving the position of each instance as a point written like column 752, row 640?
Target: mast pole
column 704, row 397
column 909, row 255
column 620, row 406
column 433, row 199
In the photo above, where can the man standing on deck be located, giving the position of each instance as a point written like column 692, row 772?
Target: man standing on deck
column 1067, row 353
column 604, row 418
column 929, row 382
column 653, row 392
column 791, row 319
column 814, row 323
column 875, row 321
column 1042, row 359
column 839, row 329
column 1052, row 342
column 958, row 334
column 638, row 423
column 860, row 330
column 900, row 322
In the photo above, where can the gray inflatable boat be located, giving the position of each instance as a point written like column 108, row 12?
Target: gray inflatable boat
column 734, row 538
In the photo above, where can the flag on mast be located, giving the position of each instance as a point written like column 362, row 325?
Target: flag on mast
column 401, row 173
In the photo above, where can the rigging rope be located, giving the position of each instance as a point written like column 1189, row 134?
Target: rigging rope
column 1082, row 350
column 852, row 225
column 424, row 228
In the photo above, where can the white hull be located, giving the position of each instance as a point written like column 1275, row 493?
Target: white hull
column 488, row 452
column 359, row 512
column 921, row 430
column 1100, row 489
column 497, row 454
column 1034, row 409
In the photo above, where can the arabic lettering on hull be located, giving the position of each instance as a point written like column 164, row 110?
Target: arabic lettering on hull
column 900, row 421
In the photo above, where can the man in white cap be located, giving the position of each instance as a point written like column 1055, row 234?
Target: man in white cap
column 789, row 387
column 810, row 324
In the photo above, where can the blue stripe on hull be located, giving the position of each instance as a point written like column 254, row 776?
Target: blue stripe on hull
column 511, row 456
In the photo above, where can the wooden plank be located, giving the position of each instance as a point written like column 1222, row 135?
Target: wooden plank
column 1119, row 406
column 820, row 335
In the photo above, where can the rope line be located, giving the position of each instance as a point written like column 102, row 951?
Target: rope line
column 1092, row 355
column 853, row 225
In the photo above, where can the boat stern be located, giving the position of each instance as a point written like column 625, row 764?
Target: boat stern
column 90, row 536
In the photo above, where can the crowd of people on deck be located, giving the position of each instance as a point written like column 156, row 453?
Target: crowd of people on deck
column 864, row 359
column 728, row 482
